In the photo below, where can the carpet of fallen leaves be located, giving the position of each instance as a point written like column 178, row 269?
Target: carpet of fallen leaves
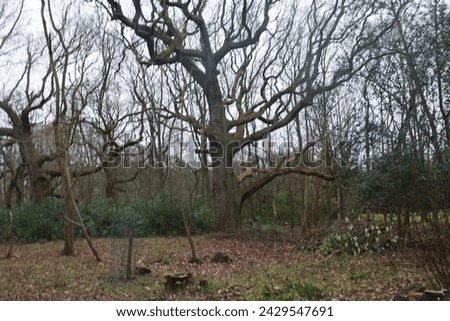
column 258, row 271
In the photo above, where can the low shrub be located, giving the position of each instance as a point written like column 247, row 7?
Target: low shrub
column 201, row 219
column 158, row 217
column 36, row 222
column 99, row 215
column 161, row 216
column 360, row 239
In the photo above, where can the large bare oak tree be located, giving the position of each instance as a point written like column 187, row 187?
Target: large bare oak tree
column 256, row 62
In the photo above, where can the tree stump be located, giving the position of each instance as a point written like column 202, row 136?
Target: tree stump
column 142, row 270
column 177, row 281
column 221, row 257
column 195, row 260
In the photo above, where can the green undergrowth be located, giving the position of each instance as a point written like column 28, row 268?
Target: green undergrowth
column 104, row 218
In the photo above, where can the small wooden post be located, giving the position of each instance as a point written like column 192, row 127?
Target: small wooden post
column 130, row 234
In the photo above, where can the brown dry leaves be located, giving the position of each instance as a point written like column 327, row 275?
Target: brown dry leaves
column 259, row 270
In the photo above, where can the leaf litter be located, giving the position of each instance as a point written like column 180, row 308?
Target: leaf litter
column 256, row 270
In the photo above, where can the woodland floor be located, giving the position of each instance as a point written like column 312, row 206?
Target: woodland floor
column 259, row 271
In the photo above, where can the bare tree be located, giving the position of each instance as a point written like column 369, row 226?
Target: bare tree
column 20, row 99
column 19, row 112
column 113, row 126
column 159, row 129
column 68, row 53
column 239, row 56
column 405, row 96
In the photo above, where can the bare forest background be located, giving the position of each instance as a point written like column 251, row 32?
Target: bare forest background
column 254, row 114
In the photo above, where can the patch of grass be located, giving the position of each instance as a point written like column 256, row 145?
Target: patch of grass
column 358, row 276
column 388, row 274
column 277, row 283
column 296, row 291
column 310, row 291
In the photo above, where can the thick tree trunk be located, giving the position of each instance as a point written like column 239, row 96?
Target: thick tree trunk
column 40, row 188
column 110, row 184
column 227, row 195
column 227, row 199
